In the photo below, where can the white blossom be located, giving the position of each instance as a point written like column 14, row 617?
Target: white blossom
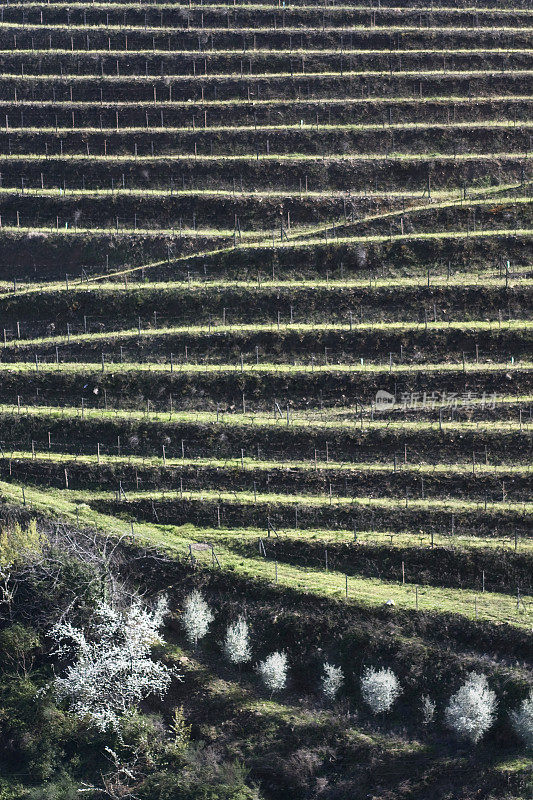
column 522, row 720
column 196, row 617
column 428, row 709
column 332, row 680
column 273, row 671
column 237, row 644
column 471, row 710
column 112, row 670
column 379, row 688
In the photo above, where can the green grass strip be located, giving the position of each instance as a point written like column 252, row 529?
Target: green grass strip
column 249, row 329
column 186, row 233
column 279, row 101
column 264, row 368
column 414, row 540
column 246, row 77
column 258, row 420
column 408, row 194
column 465, row 280
column 291, row 244
column 255, row 466
column 208, row 29
column 260, row 51
column 276, row 8
column 276, row 500
column 272, row 157
column 270, row 128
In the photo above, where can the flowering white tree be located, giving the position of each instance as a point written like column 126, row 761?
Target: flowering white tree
column 471, row 710
column 273, row 671
column 522, row 720
column 196, row 617
column 112, row 670
column 332, row 680
column 379, row 688
column 428, row 709
column 237, row 643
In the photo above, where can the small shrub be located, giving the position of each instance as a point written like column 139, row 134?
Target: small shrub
column 332, row 680
column 273, row 671
column 470, row 712
column 428, row 709
column 522, row 720
column 180, row 730
column 237, row 643
column 380, row 688
column 18, row 647
column 19, row 545
column 197, row 617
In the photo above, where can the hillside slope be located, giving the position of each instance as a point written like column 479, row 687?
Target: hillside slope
column 265, row 298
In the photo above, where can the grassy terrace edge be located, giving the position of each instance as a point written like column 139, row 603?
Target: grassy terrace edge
column 367, row 592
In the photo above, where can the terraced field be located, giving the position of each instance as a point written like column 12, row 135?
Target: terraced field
column 265, row 284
